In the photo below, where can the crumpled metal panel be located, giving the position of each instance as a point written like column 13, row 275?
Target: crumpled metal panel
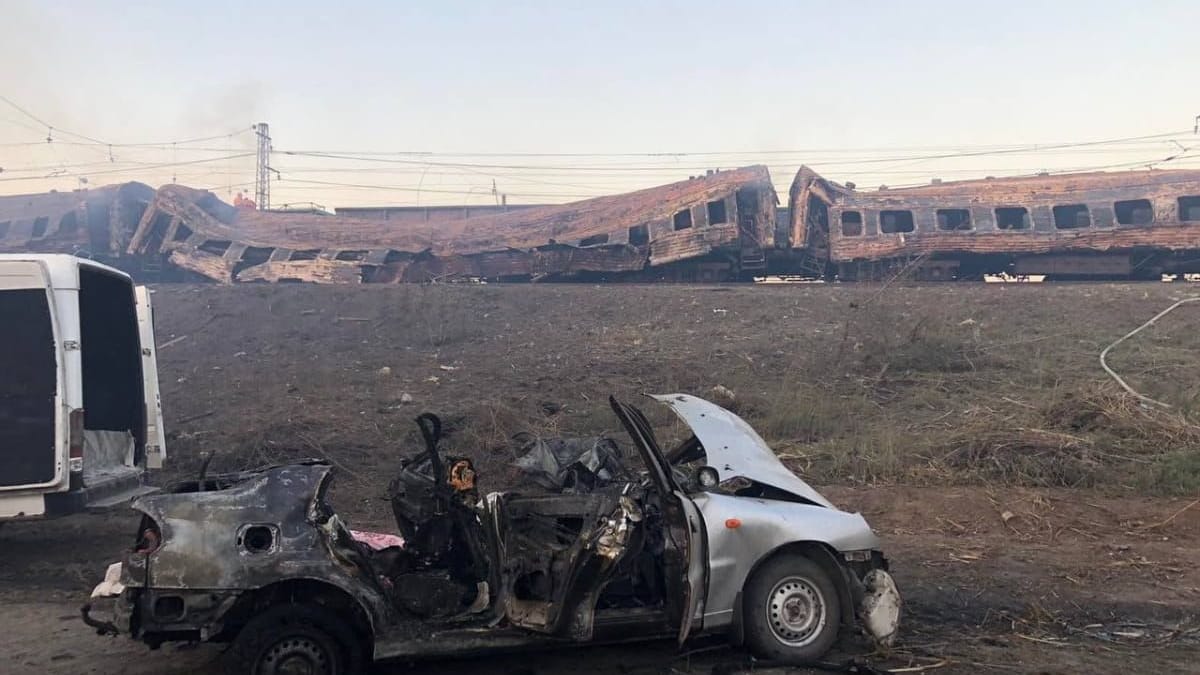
column 202, row 544
column 733, row 448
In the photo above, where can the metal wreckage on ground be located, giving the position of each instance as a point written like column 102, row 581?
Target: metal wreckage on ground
column 713, row 536
column 716, row 227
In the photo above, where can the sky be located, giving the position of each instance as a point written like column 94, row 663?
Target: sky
column 453, row 102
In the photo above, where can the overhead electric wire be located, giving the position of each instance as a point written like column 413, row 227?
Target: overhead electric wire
column 627, row 171
column 484, row 190
column 980, row 148
column 97, row 142
column 166, row 165
column 644, row 168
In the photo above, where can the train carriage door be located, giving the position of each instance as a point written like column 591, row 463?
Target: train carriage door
column 750, row 235
column 816, row 216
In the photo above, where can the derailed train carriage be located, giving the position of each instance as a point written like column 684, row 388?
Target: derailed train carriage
column 1127, row 225
column 712, row 227
column 96, row 223
column 720, row 226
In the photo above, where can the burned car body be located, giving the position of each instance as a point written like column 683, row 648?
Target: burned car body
column 713, row 536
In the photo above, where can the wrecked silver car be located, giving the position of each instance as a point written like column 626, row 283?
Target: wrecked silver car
column 713, row 536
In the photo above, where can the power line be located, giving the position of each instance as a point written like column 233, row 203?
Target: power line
column 46, row 124
column 95, row 141
column 148, row 167
column 398, row 188
column 959, row 150
column 643, row 168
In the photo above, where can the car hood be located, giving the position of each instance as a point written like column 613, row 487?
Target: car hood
column 733, row 447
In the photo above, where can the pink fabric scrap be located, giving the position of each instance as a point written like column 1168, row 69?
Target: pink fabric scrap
column 377, row 541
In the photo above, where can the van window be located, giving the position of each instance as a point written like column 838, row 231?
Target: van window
column 27, row 389
column 112, row 362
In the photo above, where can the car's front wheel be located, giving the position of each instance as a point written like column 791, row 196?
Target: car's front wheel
column 792, row 612
column 292, row 639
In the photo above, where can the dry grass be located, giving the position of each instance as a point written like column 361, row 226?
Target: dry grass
column 928, row 385
column 913, row 392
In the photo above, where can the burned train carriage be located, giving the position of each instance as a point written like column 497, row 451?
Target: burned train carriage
column 95, row 223
column 1135, row 224
column 708, row 228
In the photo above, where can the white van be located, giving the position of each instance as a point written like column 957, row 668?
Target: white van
column 80, row 416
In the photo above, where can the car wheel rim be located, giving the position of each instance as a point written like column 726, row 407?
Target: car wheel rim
column 795, row 611
column 295, row 656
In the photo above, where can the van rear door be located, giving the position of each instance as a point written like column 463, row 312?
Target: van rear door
column 156, row 446
column 31, row 385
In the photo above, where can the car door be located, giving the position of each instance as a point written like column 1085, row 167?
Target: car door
column 690, row 523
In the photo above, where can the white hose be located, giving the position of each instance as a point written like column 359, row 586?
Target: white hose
column 1135, row 331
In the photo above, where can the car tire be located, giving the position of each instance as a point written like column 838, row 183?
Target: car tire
column 295, row 638
column 791, row 611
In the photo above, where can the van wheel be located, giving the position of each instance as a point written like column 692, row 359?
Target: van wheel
column 792, row 611
column 295, row 640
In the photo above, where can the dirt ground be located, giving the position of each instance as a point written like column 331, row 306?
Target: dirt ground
column 1036, row 519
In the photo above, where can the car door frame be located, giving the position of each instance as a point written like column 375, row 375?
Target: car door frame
column 695, row 582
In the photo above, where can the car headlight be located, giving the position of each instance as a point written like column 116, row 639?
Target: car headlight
column 708, row 478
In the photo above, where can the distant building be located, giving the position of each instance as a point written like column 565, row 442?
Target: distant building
column 411, row 215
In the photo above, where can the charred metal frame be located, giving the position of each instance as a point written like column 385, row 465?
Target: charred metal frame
column 95, row 223
column 730, row 215
column 1134, row 223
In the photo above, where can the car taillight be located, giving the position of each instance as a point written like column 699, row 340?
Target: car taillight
column 75, row 441
column 149, row 537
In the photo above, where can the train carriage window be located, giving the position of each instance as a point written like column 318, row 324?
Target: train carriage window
column 215, row 247
column 1134, row 212
column 852, row 225
column 1189, row 209
column 953, row 219
column 69, row 223
column 1012, row 218
column 594, row 240
column 39, row 226
column 1071, row 216
column 682, row 219
column 4, row 228
column 716, row 212
column 639, row 235
column 895, row 222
